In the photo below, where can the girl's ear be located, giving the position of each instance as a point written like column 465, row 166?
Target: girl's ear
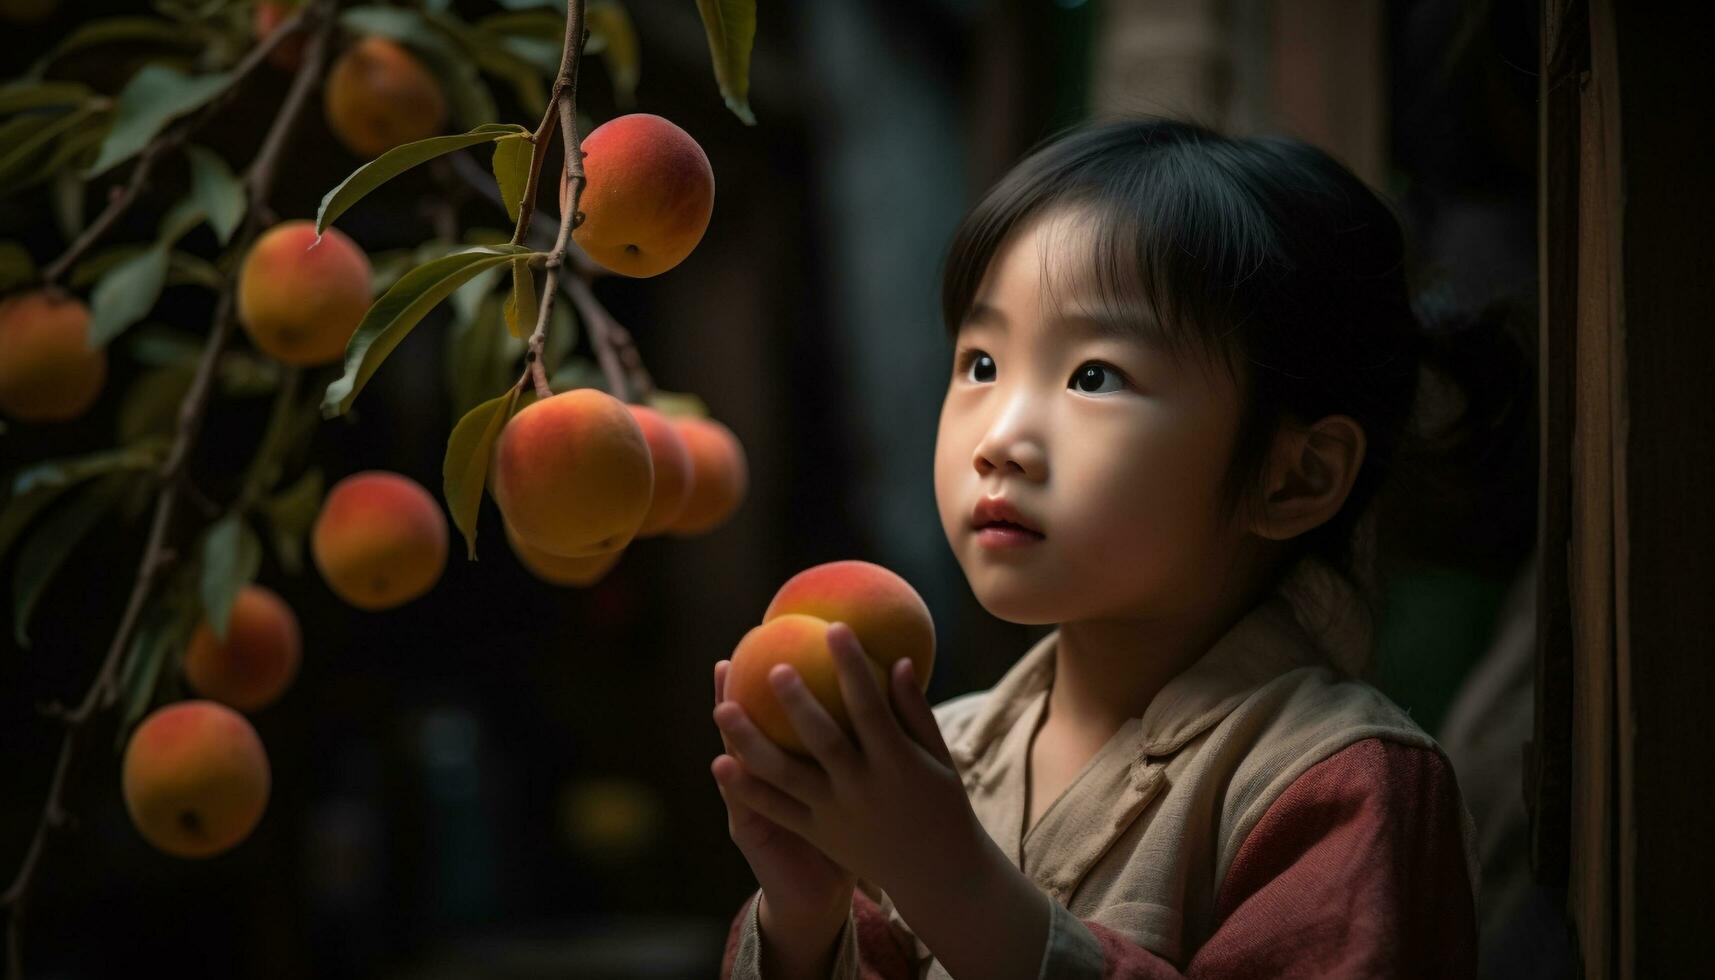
column 1311, row 471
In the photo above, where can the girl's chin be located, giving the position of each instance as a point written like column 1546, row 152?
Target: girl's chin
column 1021, row 606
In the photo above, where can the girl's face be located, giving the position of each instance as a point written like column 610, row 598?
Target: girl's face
column 1114, row 452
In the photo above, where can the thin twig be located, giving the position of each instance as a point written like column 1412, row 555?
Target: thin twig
column 103, row 693
column 170, row 139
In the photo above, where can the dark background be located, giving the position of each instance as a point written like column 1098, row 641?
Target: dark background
column 505, row 778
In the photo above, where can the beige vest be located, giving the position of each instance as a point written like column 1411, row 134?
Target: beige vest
column 1143, row 837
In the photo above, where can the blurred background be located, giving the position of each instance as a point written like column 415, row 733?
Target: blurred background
column 509, row 779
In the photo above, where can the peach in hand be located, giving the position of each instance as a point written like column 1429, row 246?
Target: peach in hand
column 558, row 569
column 380, row 540
column 195, row 778
column 379, row 96
column 720, row 476
column 300, row 305
column 259, row 658
column 572, row 473
column 802, row 642
column 890, row 619
column 48, row 373
column 648, row 195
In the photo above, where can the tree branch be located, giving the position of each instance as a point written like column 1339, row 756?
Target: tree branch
column 102, row 693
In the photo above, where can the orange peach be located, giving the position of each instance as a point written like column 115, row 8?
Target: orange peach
column 890, row 619
column 802, row 642
column 269, row 14
column 48, row 373
column 572, row 473
column 648, row 195
column 380, row 540
column 379, row 95
column 672, row 462
column 720, row 476
column 259, row 658
column 300, row 305
column 195, row 778
column 560, row 570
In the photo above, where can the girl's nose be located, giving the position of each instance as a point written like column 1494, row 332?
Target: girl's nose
column 1012, row 448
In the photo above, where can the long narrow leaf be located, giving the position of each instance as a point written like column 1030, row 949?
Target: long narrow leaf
column 155, row 96
column 391, row 318
column 464, row 472
column 53, row 541
column 731, row 27
column 398, row 160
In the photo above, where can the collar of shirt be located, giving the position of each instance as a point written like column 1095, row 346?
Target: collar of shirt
column 1314, row 616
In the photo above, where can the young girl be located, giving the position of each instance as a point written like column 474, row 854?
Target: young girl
column 1183, row 366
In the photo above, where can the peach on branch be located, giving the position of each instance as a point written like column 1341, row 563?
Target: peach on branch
column 561, row 570
column 380, row 540
column 720, row 475
column 379, row 95
column 259, row 658
column 890, row 619
column 648, row 194
column 572, row 473
column 195, row 778
column 800, row 641
column 270, row 14
column 671, row 459
column 48, row 373
column 301, row 304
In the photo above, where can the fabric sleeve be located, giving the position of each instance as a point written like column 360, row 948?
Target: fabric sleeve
column 868, row 948
column 1356, row 870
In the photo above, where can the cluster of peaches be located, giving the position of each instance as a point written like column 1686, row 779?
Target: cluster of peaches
column 577, row 476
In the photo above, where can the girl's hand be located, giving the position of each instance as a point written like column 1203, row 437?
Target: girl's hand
column 799, row 883
column 890, row 805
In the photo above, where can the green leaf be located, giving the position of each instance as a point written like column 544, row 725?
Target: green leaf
column 579, row 372
column 678, row 403
column 53, row 541
column 398, row 310
column 68, row 204
column 465, row 469
column 480, row 355
column 76, row 150
column 398, row 160
column 562, row 336
column 731, row 27
column 126, row 295
column 491, row 54
column 290, row 514
column 512, row 170
column 231, row 557
column 184, row 215
column 166, row 628
column 216, row 191
column 25, row 136
column 155, row 96
column 472, row 105
column 619, row 50
column 110, row 30
column 17, row 265
column 67, row 471
column 28, row 94
column 521, row 310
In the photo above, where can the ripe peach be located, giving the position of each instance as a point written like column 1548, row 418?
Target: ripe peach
column 257, row 661
column 269, row 14
column 48, row 373
column 801, row 641
column 379, row 95
column 890, row 619
column 300, row 305
column 195, row 778
column 560, row 570
column 380, row 540
column 648, row 195
column 672, row 461
column 572, row 473
column 720, row 476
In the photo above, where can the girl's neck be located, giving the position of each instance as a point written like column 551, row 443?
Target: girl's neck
column 1108, row 670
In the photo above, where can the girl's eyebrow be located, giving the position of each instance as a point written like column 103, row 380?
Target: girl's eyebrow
column 1142, row 330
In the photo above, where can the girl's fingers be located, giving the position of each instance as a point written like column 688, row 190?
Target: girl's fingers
column 916, row 714
column 866, row 702
column 766, row 759
column 817, row 729
column 738, row 783
column 720, row 679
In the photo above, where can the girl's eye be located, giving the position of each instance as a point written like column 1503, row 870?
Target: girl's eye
column 982, row 361
column 1090, row 375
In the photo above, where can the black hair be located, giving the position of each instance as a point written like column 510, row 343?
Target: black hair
column 1265, row 256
